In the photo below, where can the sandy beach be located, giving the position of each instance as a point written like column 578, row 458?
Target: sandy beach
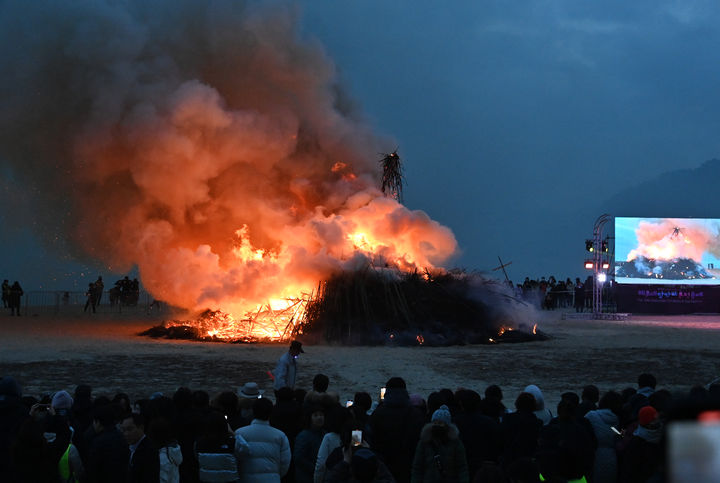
column 47, row 354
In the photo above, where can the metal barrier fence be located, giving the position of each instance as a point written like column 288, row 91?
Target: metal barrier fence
column 70, row 303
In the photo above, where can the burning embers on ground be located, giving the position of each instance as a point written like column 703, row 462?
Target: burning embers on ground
column 371, row 307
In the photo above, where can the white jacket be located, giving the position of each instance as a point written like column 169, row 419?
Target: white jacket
column 170, row 460
column 329, row 443
column 263, row 452
column 285, row 372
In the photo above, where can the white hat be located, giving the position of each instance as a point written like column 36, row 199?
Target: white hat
column 250, row 390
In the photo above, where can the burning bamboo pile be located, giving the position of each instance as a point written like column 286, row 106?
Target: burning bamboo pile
column 386, row 306
column 374, row 307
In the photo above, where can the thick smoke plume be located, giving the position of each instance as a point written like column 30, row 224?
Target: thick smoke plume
column 204, row 142
column 670, row 239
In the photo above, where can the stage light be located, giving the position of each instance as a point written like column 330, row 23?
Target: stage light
column 602, row 276
column 589, row 264
column 589, row 246
column 605, row 265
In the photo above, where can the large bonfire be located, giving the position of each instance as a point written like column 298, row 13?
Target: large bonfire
column 209, row 145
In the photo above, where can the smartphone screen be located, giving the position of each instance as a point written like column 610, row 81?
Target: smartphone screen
column 356, row 437
column 349, row 403
column 382, row 393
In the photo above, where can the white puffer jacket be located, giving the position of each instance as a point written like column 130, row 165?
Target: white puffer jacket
column 263, row 452
column 170, row 461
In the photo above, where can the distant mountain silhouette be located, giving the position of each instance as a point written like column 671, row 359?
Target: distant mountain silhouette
column 684, row 193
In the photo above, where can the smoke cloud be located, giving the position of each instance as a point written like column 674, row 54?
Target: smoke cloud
column 671, row 238
column 204, row 142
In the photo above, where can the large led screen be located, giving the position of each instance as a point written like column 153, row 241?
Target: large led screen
column 680, row 251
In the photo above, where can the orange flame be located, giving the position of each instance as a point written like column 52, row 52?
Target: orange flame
column 225, row 195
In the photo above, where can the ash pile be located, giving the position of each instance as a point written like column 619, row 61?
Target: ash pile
column 675, row 269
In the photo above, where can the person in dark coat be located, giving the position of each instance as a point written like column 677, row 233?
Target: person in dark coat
column 144, row 455
column 287, row 414
column 362, row 402
column 359, row 465
column 479, row 433
column 108, row 454
column 12, row 415
column 394, row 429
column 589, row 399
column 440, row 455
column 579, row 296
column 492, row 405
column 35, row 460
column 5, row 293
column 16, row 292
column 307, row 444
column 521, row 430
column 643, row 457
column 565, row 447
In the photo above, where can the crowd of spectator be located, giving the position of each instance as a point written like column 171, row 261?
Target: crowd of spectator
column 551, row 293
column 312, row 436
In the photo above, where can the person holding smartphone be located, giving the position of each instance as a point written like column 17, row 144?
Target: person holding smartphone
column 440, row 455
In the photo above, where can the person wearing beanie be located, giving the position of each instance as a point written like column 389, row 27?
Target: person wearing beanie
column 643, row 456
column 440, row 455
column 61, row 402
column 60, row 433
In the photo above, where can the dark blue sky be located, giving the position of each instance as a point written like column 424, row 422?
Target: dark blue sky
column 516, row 121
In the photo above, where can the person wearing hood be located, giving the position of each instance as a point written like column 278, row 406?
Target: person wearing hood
column 541, row 412
column 440, row 455
column 394, row 429
column 642, row 458
column 604, row 422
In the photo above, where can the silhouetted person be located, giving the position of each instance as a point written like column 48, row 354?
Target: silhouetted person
column 579, row 296
column 108, row 454
column 99, row 287
column 16, row 292
column 5, row 293
column 90, row 294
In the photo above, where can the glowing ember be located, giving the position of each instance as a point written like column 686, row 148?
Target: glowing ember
column 504, row 329
column 420, row 339
column 534, row 331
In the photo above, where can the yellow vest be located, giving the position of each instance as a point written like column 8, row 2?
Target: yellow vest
column 580, row 480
